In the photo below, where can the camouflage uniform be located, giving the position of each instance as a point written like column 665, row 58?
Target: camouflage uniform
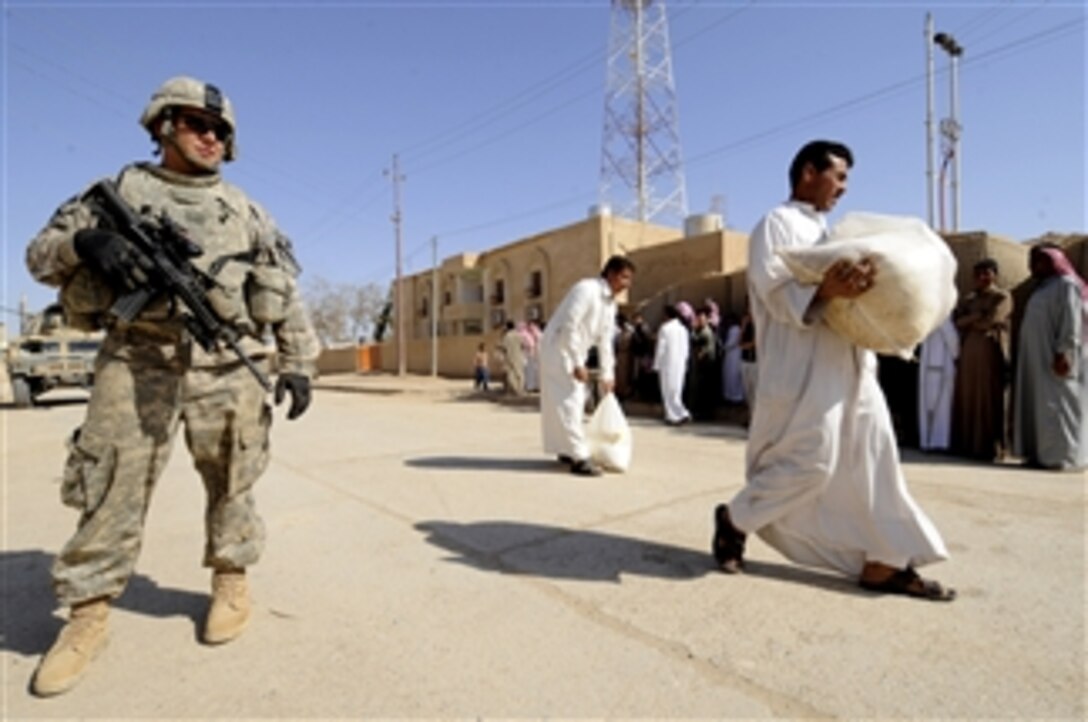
column 150, row 377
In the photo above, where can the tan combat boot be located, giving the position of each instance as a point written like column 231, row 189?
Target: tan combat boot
column 79, row 642
column 229, row 610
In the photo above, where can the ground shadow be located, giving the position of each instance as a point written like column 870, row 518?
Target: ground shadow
column 558, row 553
column 518, row 548
column 484, row 463
column 790, row 573
column 46, row 404
column 30, row 618
column 529, row 403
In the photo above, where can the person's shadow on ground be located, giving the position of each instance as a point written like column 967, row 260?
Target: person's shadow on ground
column 518, row 548
column 547, row 551
column 484, row 463
column 30, row 617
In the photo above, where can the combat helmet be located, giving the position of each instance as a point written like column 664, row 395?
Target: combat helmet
column 189, row 92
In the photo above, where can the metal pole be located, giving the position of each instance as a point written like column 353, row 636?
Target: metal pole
column 931, row 190
column 434, row 306
column 641, row 131
column 402, row 345
column 954, row 112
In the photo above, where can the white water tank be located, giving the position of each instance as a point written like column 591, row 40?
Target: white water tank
column 600, row 210
column 701, row 223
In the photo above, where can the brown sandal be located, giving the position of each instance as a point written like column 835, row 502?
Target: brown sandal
column 909, row 583
column 728, row 542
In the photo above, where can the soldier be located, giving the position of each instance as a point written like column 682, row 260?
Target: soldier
column 150, row 376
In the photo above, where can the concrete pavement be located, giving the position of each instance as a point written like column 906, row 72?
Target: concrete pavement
column 424, row 559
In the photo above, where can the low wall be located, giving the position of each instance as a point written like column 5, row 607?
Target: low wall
column 455, row 355
column 337, row 360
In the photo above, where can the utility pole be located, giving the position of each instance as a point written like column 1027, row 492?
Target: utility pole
column 434, row 306
column 398, row 298
column 931, row 187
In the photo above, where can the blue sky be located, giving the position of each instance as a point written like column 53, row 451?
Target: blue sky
column 496, row 111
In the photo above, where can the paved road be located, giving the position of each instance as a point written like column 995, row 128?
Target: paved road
column 425, row 560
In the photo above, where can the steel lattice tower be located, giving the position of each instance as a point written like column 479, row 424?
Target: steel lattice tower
column 642, row 173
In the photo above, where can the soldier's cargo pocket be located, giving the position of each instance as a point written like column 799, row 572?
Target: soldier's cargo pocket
column 250, row 455
column 88, row 473
column 267, row 289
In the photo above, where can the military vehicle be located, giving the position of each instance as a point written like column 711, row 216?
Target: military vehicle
column 50, row 355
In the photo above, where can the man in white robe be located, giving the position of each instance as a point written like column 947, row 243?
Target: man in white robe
column 585, row 318
column 824, row 485
column 671, row 364
column 936, row 386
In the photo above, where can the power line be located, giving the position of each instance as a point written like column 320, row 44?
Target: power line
column 345, row 204
column 511, row 131
column 527, row 95
column 963, row 31
column 270, row 174
column 887, row 90
column 1014, row 19
column 1020, row 44
column 518, row 216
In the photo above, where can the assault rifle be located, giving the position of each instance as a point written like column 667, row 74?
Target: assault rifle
column 165, row 252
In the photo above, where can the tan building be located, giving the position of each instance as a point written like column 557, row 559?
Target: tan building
column 478, row 293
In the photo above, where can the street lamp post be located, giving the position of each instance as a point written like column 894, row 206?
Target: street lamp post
column 951, row 129
column 931, row 187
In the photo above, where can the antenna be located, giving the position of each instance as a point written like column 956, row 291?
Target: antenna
column 642, row 175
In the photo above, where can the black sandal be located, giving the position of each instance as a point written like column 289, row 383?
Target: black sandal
column 728, row 542
column 909, row 583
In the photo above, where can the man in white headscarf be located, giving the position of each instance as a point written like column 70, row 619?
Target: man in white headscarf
column 586, row 318
column 671, row 364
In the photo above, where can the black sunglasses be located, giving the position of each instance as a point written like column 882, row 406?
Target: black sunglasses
column 201, row 125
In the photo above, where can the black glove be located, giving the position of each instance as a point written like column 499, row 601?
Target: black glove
column 108, row 254
column 299, row 386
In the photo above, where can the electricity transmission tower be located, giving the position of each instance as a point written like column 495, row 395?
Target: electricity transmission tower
column 642, row 174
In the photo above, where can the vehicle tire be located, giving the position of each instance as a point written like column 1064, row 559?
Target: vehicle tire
column 20, row 392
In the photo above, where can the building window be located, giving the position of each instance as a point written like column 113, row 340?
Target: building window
column 498, row 317
column 536, row 284
column 500, row 293
column 534, row 312
column 447, row 298
column 473, row 328
column 425, row 308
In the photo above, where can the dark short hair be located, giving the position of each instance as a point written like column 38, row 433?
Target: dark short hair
column 670, row 311
column 615, row 264
column 819, row 154
column 986, row 264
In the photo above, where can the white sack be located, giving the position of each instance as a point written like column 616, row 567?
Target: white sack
column 608, row 435
column 913, row 291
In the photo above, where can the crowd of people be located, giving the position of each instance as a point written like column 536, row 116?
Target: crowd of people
column 978, row 395
column 973, row 400
column 695, row 360
column 981, row 396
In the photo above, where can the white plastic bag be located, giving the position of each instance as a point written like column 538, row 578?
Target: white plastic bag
column 913, row 292
column 609, row 435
